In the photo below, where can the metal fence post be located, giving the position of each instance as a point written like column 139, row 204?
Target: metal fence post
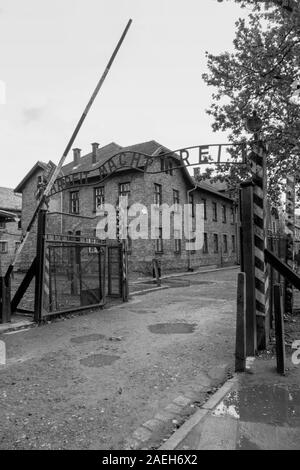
column 240, row 342
column 279, row 330
column 40, row 256
column 124, row 271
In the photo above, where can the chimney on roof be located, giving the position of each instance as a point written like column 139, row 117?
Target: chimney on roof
column 76, row 156
column 95, row 146
column 196, row 172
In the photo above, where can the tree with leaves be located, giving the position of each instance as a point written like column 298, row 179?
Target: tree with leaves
column 260, row 75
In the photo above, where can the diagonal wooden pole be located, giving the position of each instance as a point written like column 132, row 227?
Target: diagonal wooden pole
column 56, row 172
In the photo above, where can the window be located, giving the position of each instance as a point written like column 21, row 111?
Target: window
column 225, row 245
column 170, row 167
column 175, row 196
column 2, row 225
column 224, row 215
column 99, row 199
column 41, row 181
column 176, row 199
column 17, row 244
column 215, row 212
column 216, row 243
column 177, row 241
column 158, row 241
column 233, row 243
column 3, row 247
column 74, row 202
column 124, row 189
column 232, row 215
column 157, row 194
column 20, row 224
column 204, row 209
column 191, row 202
column 166, row 165
column 162, row 164
column 92, row 249
column 205, row 243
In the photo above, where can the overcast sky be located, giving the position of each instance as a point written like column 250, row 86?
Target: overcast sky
column 53, row 52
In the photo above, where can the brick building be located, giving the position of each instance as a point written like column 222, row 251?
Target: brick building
column 77, row 200
column 10, row 229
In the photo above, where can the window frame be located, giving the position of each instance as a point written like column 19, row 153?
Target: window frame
column 176, row 199
column 166, row 165
column 192, row 203
column 232, row 215
column 205, row 243
column 5, row 244
column 224, row 214
column 157, row 194
column 177, row 243
column 216, row 239
column 225, row 243
column 99, row 196
column 159, row 248
column 233, row 243
column 215, row 211
column 76, row 201
column 126, row 192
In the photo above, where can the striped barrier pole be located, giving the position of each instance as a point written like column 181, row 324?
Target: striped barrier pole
column 290, row 233
column 262, row 295
column 46, row 293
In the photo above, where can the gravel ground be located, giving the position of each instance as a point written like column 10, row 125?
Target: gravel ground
column 88, row 382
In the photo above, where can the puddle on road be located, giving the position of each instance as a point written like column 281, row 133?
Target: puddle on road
column 269, row 404
column 172, row 328
column 87, row 338
column 99, row 360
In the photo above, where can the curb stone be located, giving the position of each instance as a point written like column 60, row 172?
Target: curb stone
column 174, row 411
column 9, row 328
column 187, row 427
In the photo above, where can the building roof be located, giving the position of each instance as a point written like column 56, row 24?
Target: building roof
column 6, row 216
column 9, row 201
column 208, row 188
column 86, row 164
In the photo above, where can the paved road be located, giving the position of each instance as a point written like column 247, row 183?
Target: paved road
column 88, row 382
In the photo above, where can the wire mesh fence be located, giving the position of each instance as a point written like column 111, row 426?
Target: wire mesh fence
column 74, row 274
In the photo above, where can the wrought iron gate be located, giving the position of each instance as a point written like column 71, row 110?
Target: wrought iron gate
column 114, row 259
column 74, row 273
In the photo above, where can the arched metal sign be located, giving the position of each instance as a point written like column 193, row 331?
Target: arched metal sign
column 212, row 154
